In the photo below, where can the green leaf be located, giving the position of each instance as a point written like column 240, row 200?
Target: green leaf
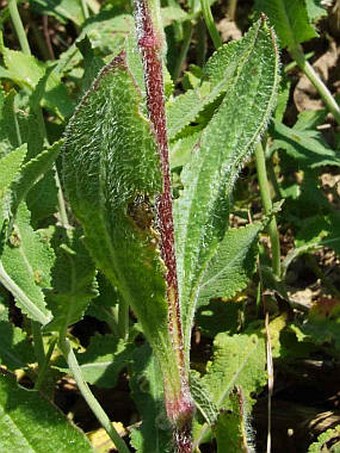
column 31, row 173
column 290, row 20
column 73, row 280
column 9, row 128
column 328, row 438
column 25, row 415
column 306, row 146
column 62, row 10
column 202, row 398
column 42, row 199
column 25, row 268
column 107, row 31
column 238, row 360
column 202, row 209
column 110, row 165
column 173, row 13
column 92, row 63
column 104, row 359
column 315, row 10
column 231, row 428
column 147, row 392
column 9, row 167
column 26, row 71
column 15, row 350
column 105, row 306
column 232, row 265
column 181, row 150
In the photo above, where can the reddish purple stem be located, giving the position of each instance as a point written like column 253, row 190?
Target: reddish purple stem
column 150, row 46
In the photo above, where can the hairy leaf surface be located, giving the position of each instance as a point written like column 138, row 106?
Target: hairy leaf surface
column 201, row 212
column 73, row 281
column 238, row 360
column 25, row 267
column 232, row 265
column 25, row 415
column 147, row 392
column 112, row 173
column 185, row 109
column 32, row 171
column 231, row 429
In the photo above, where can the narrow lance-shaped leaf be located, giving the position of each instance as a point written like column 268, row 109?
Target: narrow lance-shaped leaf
column 201, row 211
column 112, row 173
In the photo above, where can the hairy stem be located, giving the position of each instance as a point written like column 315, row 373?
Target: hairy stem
column 307, row 68
column 90, row 398
column 211, row 26
column 18, row 26
column 150, row 40
column 268, row 207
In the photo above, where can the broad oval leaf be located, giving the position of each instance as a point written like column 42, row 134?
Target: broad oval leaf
column 201, row 211
column 111, row 171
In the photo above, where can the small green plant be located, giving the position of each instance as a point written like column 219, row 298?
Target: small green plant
column 115, row 199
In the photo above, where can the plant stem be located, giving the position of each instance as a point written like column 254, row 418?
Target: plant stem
column 178, row 400
column 201, row 47
column 18, row 26
column 44, row 366
column 85, row 9
column 211, row 26
column 90, row 398
column 184, row 49
column 312, row 262
column 232, row 5
column 268, row 207
column 61, row 201
column 38, row 343
column 123, row 319
column 307, row 68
